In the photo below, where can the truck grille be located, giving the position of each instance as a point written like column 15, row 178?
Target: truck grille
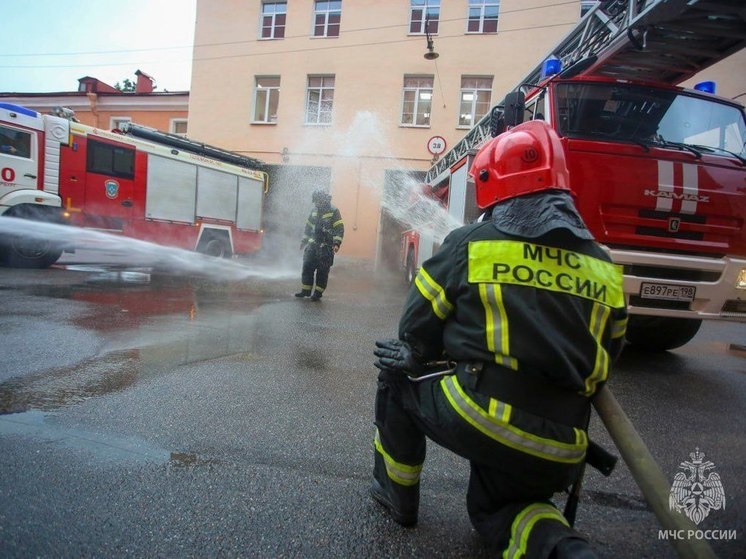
column 659, row 272
column 662, row 229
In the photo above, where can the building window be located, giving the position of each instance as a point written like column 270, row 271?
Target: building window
column 274, row 15
column 319, row 99
column 179, row 126
column 417, row 100
column 266, row 98
column 422, row 11
column 326, row 18
column 476, row 96
column 586, row 6
column 483, row 16
column 116, row 122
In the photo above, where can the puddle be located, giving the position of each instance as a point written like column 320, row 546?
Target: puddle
column 35, row 424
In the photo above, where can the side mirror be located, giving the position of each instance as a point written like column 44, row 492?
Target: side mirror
column 515, row 107
column 497, row 122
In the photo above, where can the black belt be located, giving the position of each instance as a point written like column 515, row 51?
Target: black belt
column 526, row 392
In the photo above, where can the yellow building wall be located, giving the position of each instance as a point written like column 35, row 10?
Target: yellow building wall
column 369, row 61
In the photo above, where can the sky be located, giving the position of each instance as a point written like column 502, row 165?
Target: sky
column 47, row 45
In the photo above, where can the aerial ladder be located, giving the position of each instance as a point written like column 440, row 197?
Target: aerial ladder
column 665, row 41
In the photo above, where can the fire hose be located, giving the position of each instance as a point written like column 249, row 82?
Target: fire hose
column 648, row 475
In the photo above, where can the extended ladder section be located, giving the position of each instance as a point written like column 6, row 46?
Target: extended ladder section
column 185, row 144
column 656, row 40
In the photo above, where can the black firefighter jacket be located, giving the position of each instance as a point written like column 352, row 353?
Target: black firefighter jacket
column 324, row 229
column 552, row 306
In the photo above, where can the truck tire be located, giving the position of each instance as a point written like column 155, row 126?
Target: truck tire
column 216, row 245
column 410, row 269
column 656, row 333
column 21, row 252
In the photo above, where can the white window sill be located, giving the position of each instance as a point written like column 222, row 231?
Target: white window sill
column 260, row 122
column 414, row 125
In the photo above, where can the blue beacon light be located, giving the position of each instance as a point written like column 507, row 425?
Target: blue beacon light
column 551, row 66
column 706, row 87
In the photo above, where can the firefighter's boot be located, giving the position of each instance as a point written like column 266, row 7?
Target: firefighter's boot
column 401, row 501
column 303, row 293
column 316, row 295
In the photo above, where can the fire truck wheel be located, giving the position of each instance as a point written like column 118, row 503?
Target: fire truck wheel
column 217, row 248
column 410, row 272
column 20, row 252
column 657, row 333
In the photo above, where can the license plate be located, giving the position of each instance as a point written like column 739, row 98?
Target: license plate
column 668, row 292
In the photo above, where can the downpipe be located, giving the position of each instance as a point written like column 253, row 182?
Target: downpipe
column 648, row 475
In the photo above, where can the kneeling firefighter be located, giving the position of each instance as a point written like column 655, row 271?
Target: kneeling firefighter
column 530, row 310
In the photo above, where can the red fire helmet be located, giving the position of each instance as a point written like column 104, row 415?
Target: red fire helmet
column 526, row 159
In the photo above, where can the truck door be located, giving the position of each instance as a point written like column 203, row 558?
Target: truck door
column 110, row 174
column 19, row 160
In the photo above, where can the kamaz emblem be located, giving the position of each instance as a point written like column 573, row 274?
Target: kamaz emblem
column 112, row 189
column 677, row 195
column 673, row 224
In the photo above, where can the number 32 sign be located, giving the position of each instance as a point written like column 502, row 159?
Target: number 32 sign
column 436, row 145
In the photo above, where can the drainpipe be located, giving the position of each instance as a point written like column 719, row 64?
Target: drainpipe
column 92, row 101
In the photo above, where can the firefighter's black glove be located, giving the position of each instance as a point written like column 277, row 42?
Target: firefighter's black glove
column 399, row 356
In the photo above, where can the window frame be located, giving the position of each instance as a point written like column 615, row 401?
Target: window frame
column 113, row 169
column 273, row 27
column 268, row 101
column 320, row 101
column 327, row 12
column 476, row 90
column 23, row 152
column 418, row 90
column 483, row 5
column 118, row 119
column 174, row 122
column 426, row 6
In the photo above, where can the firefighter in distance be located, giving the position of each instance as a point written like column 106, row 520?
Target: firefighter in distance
column 321, row 241
column 529, row 312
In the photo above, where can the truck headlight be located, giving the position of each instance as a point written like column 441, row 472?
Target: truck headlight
column 741, row 279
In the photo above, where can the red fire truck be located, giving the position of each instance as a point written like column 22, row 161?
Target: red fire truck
column 659, row 171
column 137, row 182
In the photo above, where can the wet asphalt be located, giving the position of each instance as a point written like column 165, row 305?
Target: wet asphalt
column 148, row 415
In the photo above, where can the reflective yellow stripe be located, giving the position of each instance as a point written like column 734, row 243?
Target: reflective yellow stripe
column 618, row 328
column 339, row 222
column 554, row 269
column 524, row 522
column 508, row 434
column 496, row 322
column 500, row 410
column 319, row 289
column 599, row 317
column 306, row 287
column 327, row 215
column 402, row 474
column 434, row 293
column 337, row 238
column 311, row 225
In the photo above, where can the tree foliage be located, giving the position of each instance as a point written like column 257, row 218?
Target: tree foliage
column 127, row 86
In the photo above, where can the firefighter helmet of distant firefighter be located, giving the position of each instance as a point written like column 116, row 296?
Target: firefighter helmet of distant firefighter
column 525, row 159
column 321, row 197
